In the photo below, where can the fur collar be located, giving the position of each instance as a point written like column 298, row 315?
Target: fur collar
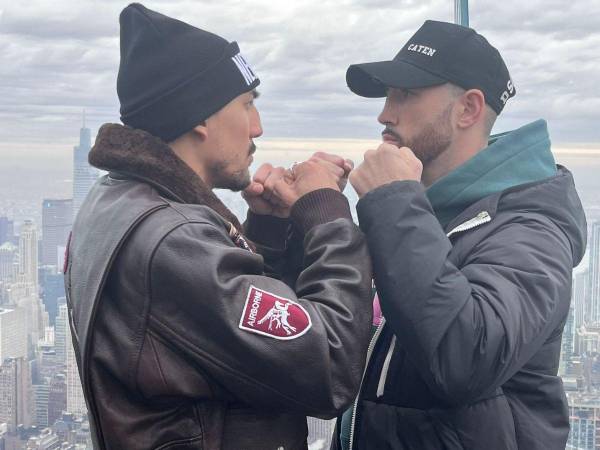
column 140, row 155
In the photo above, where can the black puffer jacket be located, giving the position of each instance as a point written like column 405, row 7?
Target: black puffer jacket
column 187, row 339
column 468, row 357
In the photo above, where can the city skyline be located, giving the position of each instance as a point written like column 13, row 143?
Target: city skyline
column 54, row 62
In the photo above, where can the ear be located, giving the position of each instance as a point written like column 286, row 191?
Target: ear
column 201, row 130
column 472, row 109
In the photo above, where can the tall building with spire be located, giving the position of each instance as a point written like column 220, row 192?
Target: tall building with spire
column 84, row 175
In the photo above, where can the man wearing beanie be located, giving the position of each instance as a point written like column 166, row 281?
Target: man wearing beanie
column 191, row 331
column 473, row 239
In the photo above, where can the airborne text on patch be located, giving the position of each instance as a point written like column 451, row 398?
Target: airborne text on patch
column 274, row 316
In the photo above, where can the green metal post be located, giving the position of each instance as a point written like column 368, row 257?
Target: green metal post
column 461, row 12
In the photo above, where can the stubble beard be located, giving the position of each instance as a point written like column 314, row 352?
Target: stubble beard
column 236, row 181
column 433, row 140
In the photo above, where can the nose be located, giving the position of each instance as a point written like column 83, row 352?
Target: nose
column 255, row 125
column 385, row 117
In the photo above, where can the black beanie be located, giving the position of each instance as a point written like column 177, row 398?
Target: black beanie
column 172, row 76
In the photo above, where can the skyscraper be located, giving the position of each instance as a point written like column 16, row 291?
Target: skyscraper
column 41, row 394
column 28, row 252
column 8, row 260
column 567, row 346
column 7, row 232
column 61, row 328
column 57, row 219
column 584, row 414
column 13, row 333
column 75, row 399
column 84, row 175
column 57, row 398
column 28, row 278
column 580, row 301
column 52, row 288
column 16, row 405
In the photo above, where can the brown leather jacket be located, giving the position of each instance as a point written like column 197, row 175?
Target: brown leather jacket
column 188, row 339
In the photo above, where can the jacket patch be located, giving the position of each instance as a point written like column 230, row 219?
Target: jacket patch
column 274, row 316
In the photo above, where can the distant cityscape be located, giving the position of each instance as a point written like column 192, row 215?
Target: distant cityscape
column 41, row 400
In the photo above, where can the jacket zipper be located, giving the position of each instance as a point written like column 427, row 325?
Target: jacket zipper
column 369, row 353
column 479, row 219
column 385, row 368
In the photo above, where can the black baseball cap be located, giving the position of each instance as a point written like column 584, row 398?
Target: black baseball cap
column 438, row 53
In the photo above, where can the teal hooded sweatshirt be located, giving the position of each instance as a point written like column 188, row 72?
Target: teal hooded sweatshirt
column 510, row 159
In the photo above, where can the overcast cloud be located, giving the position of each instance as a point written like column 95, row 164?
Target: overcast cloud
column 58, row 57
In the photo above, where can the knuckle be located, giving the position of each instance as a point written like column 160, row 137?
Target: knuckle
column 418, row 164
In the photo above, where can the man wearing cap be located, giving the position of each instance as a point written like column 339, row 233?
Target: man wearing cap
column 188, row 335
column 473, row 239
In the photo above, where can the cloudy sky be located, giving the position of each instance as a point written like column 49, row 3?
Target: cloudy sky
column 59, row 57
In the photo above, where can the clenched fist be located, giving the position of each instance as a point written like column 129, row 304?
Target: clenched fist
column 382, row 166
column 259, row 194
column 337, row 165
column 307, row 177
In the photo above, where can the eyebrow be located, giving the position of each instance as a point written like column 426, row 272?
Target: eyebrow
column 255, row 93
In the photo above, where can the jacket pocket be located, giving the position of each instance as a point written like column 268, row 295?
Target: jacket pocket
column 389, row 427
column 479, row 424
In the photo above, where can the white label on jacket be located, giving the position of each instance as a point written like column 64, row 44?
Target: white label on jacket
column 274, row 316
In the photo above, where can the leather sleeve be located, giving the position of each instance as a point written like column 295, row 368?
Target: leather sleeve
column 270, row 237
column 279, row 243
column 202, row 287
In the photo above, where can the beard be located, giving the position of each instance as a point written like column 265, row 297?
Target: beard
column 432, row 140
column 234, row 181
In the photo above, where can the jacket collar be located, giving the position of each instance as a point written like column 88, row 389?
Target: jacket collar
column 555, row 198
column 137, row 154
